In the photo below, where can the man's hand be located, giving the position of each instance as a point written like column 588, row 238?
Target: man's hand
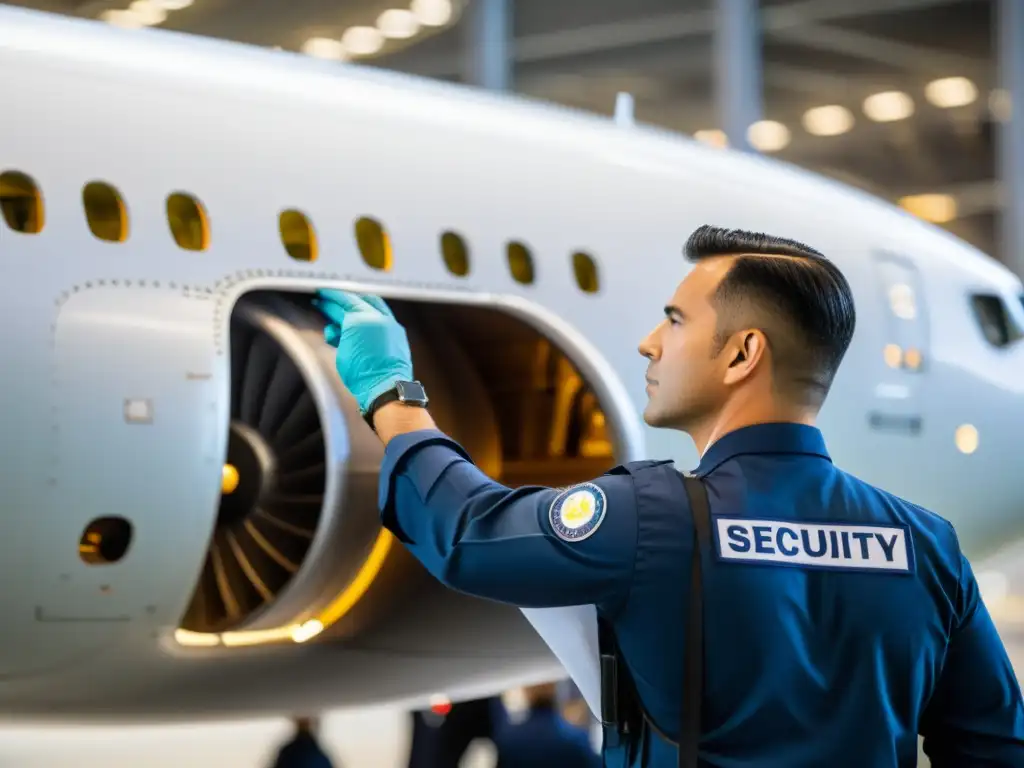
column 373, row 350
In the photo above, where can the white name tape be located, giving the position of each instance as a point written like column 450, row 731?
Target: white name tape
column 814, row 545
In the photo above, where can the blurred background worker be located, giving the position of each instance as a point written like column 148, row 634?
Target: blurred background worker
column 843, row 621
column 542, row 737
column 441, row 738
column 303, row 750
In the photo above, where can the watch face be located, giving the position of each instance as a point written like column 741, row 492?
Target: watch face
column 411, row 392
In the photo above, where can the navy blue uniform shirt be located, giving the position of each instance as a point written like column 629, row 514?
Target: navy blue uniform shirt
column 840, row 621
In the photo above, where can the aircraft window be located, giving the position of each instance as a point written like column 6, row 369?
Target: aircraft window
column 297, row 235
column 586, row 272
column 105, row 212
column 21, row 202
column 455, row 253
column 105, row 540
column 520, row 263
column 995, row 320
column 188, row 222
column 374, row 244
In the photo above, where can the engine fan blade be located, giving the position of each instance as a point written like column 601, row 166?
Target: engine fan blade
column 263, row 355
column 283, row 392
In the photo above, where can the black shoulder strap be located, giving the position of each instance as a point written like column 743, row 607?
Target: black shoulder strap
column 693, row 664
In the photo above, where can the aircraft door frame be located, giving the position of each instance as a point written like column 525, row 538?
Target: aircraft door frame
column 905, row 344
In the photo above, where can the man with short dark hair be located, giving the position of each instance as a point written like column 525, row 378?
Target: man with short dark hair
column 838, row 622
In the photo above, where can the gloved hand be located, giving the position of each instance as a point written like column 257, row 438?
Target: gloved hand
column 373, row 350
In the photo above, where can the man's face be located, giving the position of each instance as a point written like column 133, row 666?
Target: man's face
column 685, row 382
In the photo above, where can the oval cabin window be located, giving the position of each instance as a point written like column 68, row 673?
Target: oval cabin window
column 455, row 254
column 585, row 269
column 520, row 263
column 105, row 212
column 297, row 235
column 187, row 220
column 21, row 202
column 374, row 244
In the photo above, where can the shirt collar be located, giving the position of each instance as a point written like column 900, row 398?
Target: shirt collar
column 782, row 437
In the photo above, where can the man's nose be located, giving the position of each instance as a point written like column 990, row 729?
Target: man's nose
column 648, row 347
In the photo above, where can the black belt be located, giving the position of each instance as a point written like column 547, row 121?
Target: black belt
column 623, row 717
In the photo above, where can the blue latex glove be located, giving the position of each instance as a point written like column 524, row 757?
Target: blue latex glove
column 373, row 350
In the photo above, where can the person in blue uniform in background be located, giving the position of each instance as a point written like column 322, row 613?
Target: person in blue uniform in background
column 542, row 738
column 840, row 621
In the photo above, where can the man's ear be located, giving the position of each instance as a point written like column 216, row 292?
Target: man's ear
column 746, row 350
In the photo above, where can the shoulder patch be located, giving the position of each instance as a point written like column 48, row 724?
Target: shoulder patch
column 578, row 511
column 830, row 546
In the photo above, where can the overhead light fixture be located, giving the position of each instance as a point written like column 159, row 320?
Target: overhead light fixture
column 398, row 24
column 937, row 208
column 173, row 5
column 432, row 13
column 712, row 136
column 830, row 120
column 888, row 106
column 362, row 41
column 949, row 92
column 324, row 48
column 768, row 135
column 149, row 13
column 122, row 19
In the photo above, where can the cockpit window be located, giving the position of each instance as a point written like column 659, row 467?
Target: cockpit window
column 994, row 318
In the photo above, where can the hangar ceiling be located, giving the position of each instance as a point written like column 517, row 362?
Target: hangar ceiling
column 816, row 53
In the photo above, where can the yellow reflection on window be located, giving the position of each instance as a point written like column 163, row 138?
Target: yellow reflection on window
column 188, row 222
column 105, row 212
column 21, row 202
column 297, row 235
column 455, row 253
column 585, row 268
column 374, row 244
column 520, row 263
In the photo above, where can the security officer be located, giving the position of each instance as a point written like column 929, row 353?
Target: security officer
column 840, row 621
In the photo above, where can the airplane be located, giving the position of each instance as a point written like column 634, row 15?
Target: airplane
column 190, row 502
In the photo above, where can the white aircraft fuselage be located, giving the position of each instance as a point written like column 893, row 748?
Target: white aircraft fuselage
column 122, row 355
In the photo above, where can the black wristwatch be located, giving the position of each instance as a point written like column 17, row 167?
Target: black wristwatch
column 408, row 392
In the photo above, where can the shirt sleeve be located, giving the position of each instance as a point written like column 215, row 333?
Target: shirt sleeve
column 480, row 537
column 976, row 714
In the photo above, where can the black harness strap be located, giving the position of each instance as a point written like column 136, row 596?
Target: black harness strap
column 693, row 664
column 623, row 717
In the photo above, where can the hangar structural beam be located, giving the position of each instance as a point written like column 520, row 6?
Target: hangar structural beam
column 738, row 68
column 488, row 44
column 1010, row 155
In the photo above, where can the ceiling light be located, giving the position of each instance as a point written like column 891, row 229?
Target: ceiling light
column 148, row 12
column 362, row 41
column 951, row 92
column 713, row 136
column 173, row 5
column 432, row 13
column 768, row 135
column 830, row 120
column 123, row 19
column 398, row 24
column 888, row 106
column 936, row 208
column 324, row 48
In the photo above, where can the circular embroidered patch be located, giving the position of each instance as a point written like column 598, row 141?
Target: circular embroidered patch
column 578, row 511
